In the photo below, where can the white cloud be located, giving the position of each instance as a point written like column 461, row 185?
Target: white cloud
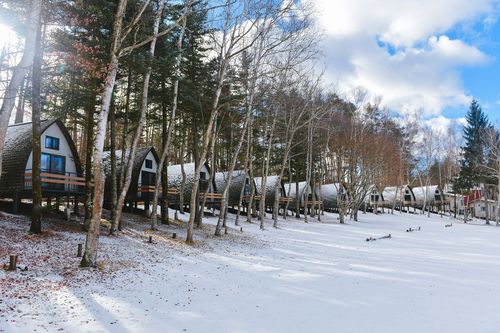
column 398, row 50
column 442, row 124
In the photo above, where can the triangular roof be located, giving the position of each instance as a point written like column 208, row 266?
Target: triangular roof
column 17, row 149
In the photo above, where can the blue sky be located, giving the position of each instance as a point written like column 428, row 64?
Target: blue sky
column 422, row 57
column 483, row 82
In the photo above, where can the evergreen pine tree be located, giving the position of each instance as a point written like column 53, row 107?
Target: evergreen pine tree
column 473, row 151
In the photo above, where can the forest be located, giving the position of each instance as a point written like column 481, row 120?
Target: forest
column 231, row 86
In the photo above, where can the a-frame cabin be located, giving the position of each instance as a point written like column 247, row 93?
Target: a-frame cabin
column 61, row 171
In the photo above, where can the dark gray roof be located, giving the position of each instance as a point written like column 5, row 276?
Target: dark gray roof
column 238, row 179
column 271, row 184
column 17, row 149
column 140, row 156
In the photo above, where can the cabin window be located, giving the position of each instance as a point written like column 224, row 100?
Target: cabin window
column 149, row 164
column 51, row 142
column 203, row 175
column 407, row 197
column 53, row 163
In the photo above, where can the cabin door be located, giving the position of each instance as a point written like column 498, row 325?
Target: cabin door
column 148, row 179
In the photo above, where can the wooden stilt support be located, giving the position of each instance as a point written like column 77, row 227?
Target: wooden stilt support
column 13, row 263
column 79, row 253
column 15, row 204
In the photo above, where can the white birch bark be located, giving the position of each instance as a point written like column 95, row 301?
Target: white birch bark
column 90, row 254
column 20, row 71
column 164, row 154
column 138, row 132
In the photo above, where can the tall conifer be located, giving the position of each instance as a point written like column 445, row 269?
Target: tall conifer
column 473, row 151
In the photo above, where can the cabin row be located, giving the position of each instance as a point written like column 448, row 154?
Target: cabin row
column 62, row 178
column 62, row 175
column 406, row 197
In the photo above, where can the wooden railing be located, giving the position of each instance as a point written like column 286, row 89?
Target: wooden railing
column 380, row 203
column 67, row 182
column 143, row 190
column 285, row 200
column 211, row 196
column 313, row 203
column 246, row 198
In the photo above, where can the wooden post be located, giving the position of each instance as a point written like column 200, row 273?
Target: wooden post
column 150, row 239
column 58, row 203
column 15, row 205
column 75, row 207
column 80, row 250
column 13, row 263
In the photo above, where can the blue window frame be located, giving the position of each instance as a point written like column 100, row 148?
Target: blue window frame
column 149, row 164
column 51, row 142
column 53, row 163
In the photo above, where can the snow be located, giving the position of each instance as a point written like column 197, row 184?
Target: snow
column 314, row 277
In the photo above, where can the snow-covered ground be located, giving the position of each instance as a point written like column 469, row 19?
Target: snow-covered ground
column 314, row 277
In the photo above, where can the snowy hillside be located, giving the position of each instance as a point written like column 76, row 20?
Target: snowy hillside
column 315, row 277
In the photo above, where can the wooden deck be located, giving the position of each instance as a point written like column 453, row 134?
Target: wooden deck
column 52, row 182
column 313, row 203
column 246, row 198
column 211, row 196
column 151, row 189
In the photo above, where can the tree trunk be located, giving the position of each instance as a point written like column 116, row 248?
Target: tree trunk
column 210, row 179
column 183, row 177
column 90, row 254
column 89, row 130
column 236, row 153
column 36, row 106
column 164, row 154
column 20, row 104
column 138, row 132
column 266, row 172
column 112, row 147
column 498, row 193
column 124, row 143
column 20, row 71
column 297, row 199
column 164, row 172
column 250, row 202
column 196, row 177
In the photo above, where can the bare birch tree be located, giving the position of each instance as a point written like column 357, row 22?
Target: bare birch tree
column 239, row 21
column 138, row 132
column 20, row 71
column 166, row 144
